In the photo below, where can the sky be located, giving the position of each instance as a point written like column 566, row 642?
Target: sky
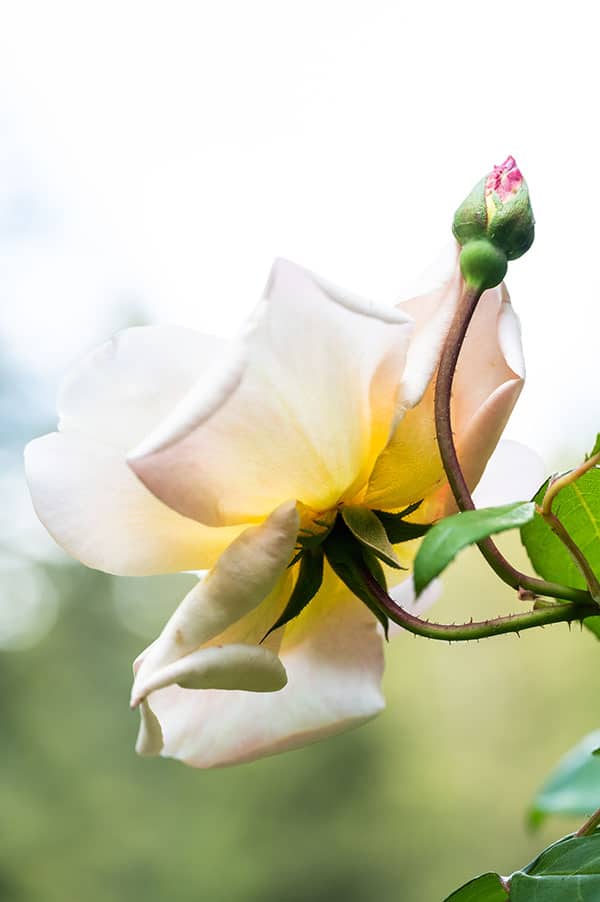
column 155, row 157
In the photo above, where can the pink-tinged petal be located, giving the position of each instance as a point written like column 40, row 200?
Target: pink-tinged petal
column 333, row 657
column 93, row 505
column 312, row 410
column 247, row 572
column 514, row 472
column 488, row 381
column 504, row 180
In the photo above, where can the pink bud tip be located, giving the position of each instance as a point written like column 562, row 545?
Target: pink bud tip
column 504, row 180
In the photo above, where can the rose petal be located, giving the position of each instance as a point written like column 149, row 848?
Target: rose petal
column 334, row 661
column 150, row 739
column 245, row 574
column 485, row 390
column 83, row 492
column 432, row 313
column 94, row 506
column 124, row 388
column 251, row 668
column 312, row 411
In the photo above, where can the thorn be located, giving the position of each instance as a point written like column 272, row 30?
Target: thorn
column 525, row 594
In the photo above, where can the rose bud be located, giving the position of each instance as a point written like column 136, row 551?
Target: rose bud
column 494, row 224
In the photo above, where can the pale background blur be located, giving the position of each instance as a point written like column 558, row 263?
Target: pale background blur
column 154, row 158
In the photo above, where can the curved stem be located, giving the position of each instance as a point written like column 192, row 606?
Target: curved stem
column 590, row 825
column 456, row 479
column 483, row 629
column 574, row 550
column 568, row 478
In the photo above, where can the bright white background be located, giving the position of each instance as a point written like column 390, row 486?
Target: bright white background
column 161, row 154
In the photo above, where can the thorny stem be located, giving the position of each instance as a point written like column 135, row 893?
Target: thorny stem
column 574, row 550
column 558, row 484
column 462, row 632
column 456, row 479
column 590, row 825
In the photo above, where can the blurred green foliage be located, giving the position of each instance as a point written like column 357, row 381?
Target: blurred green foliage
column 404, row 809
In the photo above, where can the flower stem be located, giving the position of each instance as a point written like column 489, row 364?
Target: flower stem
column 590, row 825
column 558, row 484
column 483, row 629
column 574, row 550
column 443, row 391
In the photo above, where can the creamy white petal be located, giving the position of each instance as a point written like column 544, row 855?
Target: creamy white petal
column 333, row 657
column 120, row 391
column 198, row 405
column 251, row 668
column 432, row 313
column 245, row 574
column 485, row 390
column 150, row 739
column 93, row 505
column 312, row 410
column 82, row 490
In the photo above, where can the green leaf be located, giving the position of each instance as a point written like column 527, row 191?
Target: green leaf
column 486, row 888
column 345, row 557
column 578, row 508
column 368, row 529
column 593, row 624
column 398, row 529
column 573, row 787
column 444, row 540
column 307, row 585
column 568, row 871
column 595, row 449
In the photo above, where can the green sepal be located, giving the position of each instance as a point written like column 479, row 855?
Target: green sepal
column 311, row 538
column 346, row 557
column 310, row 578
column 450, row 535
column 470, row 220
column 368, row 529
column 512, row 227
column 400, row 530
